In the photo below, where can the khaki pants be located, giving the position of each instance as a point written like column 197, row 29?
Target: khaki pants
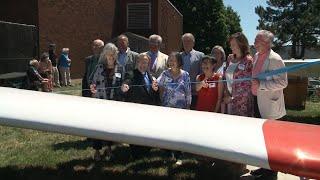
column 55, row 74
column 65, row 76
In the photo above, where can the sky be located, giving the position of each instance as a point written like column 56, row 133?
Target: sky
column 248, row 18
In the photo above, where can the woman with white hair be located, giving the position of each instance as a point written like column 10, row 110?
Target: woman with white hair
column 64, row 67
column 104, row 83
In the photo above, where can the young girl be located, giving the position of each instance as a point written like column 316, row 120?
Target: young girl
column 209, row 90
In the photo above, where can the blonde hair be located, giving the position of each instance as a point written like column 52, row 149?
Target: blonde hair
column 219, row 48
column 110, row 47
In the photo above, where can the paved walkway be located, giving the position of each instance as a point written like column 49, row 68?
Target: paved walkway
column 281, row 176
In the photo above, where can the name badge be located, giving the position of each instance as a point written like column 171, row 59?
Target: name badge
column 118, row 75
column 241, row 66
column 212, row 85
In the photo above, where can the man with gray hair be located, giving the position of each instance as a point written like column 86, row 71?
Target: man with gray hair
column 90, row 64
column 268, row 93
column 126, row 57
column 158, row 59
column 191, row 62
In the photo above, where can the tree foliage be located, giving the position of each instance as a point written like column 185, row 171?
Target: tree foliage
column 293, row 22
column 209, row 20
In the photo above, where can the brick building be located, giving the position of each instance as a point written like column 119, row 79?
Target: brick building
column 76, row 23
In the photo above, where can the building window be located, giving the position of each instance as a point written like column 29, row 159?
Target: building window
column 138, row 16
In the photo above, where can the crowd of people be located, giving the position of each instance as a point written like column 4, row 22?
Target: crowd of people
column 51, row 71
column 188, row 80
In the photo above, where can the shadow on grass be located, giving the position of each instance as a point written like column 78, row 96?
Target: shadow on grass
column 302, row 119
column 79, row 144
column 153, row 165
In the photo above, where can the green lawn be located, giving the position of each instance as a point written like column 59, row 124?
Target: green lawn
column 29, row 154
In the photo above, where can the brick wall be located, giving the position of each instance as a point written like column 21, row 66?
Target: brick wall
column 75, row 24
column 170, row 26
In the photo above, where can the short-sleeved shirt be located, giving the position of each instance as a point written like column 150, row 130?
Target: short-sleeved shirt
column 208, row 97
column 177, row 92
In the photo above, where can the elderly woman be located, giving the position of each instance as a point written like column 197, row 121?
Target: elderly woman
column 238, row 94
column 64, row 67
column 218, row 53
column 175, row 88
column 105, row 81
column 174, row 83
column 141, row 88
column 145, row 89
column 35, row 80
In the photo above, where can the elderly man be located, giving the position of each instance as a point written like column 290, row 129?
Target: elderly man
column 158, row 59
column 191, row 62
column 126, row 57
column 90, row 64
column 268, row 93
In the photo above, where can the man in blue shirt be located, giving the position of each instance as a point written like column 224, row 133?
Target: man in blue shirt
column 191, row 62
column 126, row 57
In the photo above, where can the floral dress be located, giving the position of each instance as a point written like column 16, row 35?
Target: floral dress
column 177, row 92
column 242, row 99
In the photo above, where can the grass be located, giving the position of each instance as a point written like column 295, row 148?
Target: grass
column 30, row 154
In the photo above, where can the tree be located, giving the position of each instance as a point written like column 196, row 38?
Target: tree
column 233, row 24
column 232, row 21
column 209, row 20
column 293, row 22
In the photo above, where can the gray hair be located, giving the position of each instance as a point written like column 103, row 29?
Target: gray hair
column 188, row 35
column 267, row 35
column 110, row 47
column 123, row 36
column 65, row 50
column 142, row 55
column 99, row 42
column 220, row 48
column 155, row 39
column 33, row 62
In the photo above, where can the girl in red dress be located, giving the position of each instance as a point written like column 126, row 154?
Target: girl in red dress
column 210, row 87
